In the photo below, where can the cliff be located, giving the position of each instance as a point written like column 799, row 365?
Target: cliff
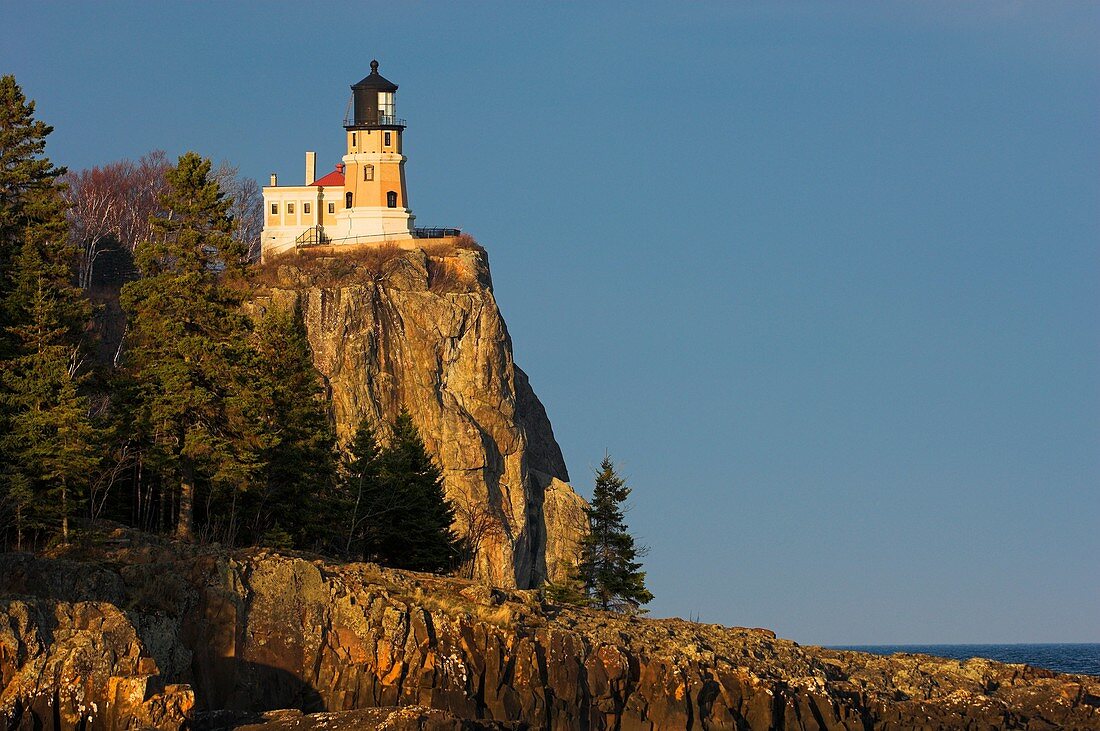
column 420, row 330
column 142, row 633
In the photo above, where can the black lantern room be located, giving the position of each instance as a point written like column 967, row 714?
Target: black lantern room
column 373, row 103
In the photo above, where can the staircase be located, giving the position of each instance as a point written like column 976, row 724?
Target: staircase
column 312, row 236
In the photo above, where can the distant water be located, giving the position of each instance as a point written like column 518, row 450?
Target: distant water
column 1082, row 659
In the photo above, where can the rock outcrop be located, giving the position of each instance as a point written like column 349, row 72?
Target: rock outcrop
column 131, row 637
column 420, row 330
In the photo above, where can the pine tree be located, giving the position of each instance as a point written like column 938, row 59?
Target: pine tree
column 188, row 343
column 569, row 590
column 49, row 442
column 410, row 518
column 297, row 489
column 31, row 208
column 362, row 490
column 46, row 436
column 608, row 567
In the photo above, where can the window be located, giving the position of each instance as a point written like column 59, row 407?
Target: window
column 387, row 139
column 290, row 208
column 353, row 139
column 274, row 209
column 385, row 104
column 368, row 172
column 391, row 199
column 347, row 200
column 332, row 208
column 305, row 208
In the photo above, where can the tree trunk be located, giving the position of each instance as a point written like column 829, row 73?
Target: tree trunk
column 187, row 500
column 138, row 511
column 64, row 513
column 354, row 518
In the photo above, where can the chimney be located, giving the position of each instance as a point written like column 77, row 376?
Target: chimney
column 274, row 180
column 311, row 167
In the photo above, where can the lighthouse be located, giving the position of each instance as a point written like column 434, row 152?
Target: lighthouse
column 364, row 200
column 375, row 197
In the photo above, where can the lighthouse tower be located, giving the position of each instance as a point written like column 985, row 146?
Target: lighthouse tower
column 375, row 197
column 364, row 200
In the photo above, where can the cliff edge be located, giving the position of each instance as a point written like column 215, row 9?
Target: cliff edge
column 140, row 632
column 420, row 330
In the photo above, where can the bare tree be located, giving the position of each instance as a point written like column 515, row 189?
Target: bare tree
column 478, row 525
column 246, row 207
column 113, row 203
column 143, row 198
column 95, row 210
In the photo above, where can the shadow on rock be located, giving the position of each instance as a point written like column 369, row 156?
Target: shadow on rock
column 247, row 688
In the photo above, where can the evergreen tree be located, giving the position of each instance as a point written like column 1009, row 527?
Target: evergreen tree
column 46, row 436
column 188, row 343
column 362, row 490
column 31, row 208
column 49, row 443
column 569, row 590
column 407, row 517
column 608, row 567
column 297, row 490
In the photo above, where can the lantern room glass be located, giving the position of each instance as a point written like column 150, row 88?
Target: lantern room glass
column 385, row 106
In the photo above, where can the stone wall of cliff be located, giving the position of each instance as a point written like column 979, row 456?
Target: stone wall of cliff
column 422, row 331
column 156, row 635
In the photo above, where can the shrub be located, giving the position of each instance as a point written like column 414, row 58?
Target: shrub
column 468, row 242
column 443, row 277
column 439, row 247
column 375, row 258
column 329, row 263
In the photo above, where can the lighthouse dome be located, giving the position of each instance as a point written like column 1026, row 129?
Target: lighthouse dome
column 375, row 81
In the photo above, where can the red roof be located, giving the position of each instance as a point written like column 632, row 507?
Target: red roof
column 335, row 178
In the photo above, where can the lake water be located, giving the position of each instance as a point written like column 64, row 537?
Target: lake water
column 1076, row 658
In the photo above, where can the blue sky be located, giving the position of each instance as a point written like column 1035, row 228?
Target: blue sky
column 822, row 277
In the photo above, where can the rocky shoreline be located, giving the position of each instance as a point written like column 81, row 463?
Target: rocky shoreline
column 142, row 633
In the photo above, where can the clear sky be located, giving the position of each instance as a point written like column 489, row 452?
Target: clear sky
column 822, row 277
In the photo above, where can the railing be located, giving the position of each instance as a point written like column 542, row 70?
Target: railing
column 312, row 236
column 383, row 120
column 381, row 238
column 316, row 236
column 435, row 233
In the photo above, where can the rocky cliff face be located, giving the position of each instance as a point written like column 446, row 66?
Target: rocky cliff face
column 150, row 635
column 421, row 330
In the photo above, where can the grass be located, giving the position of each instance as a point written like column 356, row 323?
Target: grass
column 443, row 277
column 451, row 246
column 468, row 242
column 439, row 247
column 328, row 265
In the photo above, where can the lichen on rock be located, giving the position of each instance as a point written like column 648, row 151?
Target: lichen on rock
column 322, row 643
